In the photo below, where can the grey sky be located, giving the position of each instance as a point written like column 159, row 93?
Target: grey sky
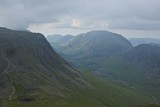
column 131, row 18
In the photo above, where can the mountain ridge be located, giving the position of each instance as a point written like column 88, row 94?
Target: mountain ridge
column 138, row 41
column 136, row 67
column 32, row 74
column 15, row 56
column 92, row 44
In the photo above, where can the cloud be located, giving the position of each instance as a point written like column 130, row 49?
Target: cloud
column 81, row 14
column 18, row 14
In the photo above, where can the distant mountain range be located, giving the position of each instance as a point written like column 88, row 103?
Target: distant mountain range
column 32, row 74
column 113, row 57
column 138, row 41
column 88, row 50
column 57, row 38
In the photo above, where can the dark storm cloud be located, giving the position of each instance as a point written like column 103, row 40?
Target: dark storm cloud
column 114, row 14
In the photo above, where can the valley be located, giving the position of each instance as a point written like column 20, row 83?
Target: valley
column 79, row 53
column 32, row 74
column 135, row 67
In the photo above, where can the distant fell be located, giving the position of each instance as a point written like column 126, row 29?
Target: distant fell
column 138, row 41
column 89, row 50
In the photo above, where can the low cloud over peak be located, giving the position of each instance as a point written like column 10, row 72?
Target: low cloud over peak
column 75, row 16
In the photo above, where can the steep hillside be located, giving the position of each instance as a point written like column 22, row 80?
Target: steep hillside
column 29, row 66
column 112, row 57
column 145, row 55
column 107, row 54
column 137, row 68
column 33, row 75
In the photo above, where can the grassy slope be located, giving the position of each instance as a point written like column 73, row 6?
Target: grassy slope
column 132, row 76
column 100, row 93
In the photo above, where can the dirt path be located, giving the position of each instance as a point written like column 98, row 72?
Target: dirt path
column 154, row 98
column 11, row 95
column 6, row 71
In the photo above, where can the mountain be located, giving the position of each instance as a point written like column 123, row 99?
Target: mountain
column 88, row 50
column 57, row 38
column 138, row 41
column 32, row 74
column 150, row 59
column 57, row 41
column 138, row 68
column 29, row 66
column 54, row 38
column 112, row 57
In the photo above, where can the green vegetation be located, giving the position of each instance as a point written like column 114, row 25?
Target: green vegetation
column 88, row 50
column 112, row 57
column 150, row 105
column 34, row 75
column 136, row 69
column 99, row 93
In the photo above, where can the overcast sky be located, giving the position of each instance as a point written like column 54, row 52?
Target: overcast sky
column 131, row 18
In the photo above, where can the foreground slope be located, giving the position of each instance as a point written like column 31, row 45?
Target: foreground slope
column 33, row 75
column 30, row 67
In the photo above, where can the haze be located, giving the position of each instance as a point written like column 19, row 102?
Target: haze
column 131, row 18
